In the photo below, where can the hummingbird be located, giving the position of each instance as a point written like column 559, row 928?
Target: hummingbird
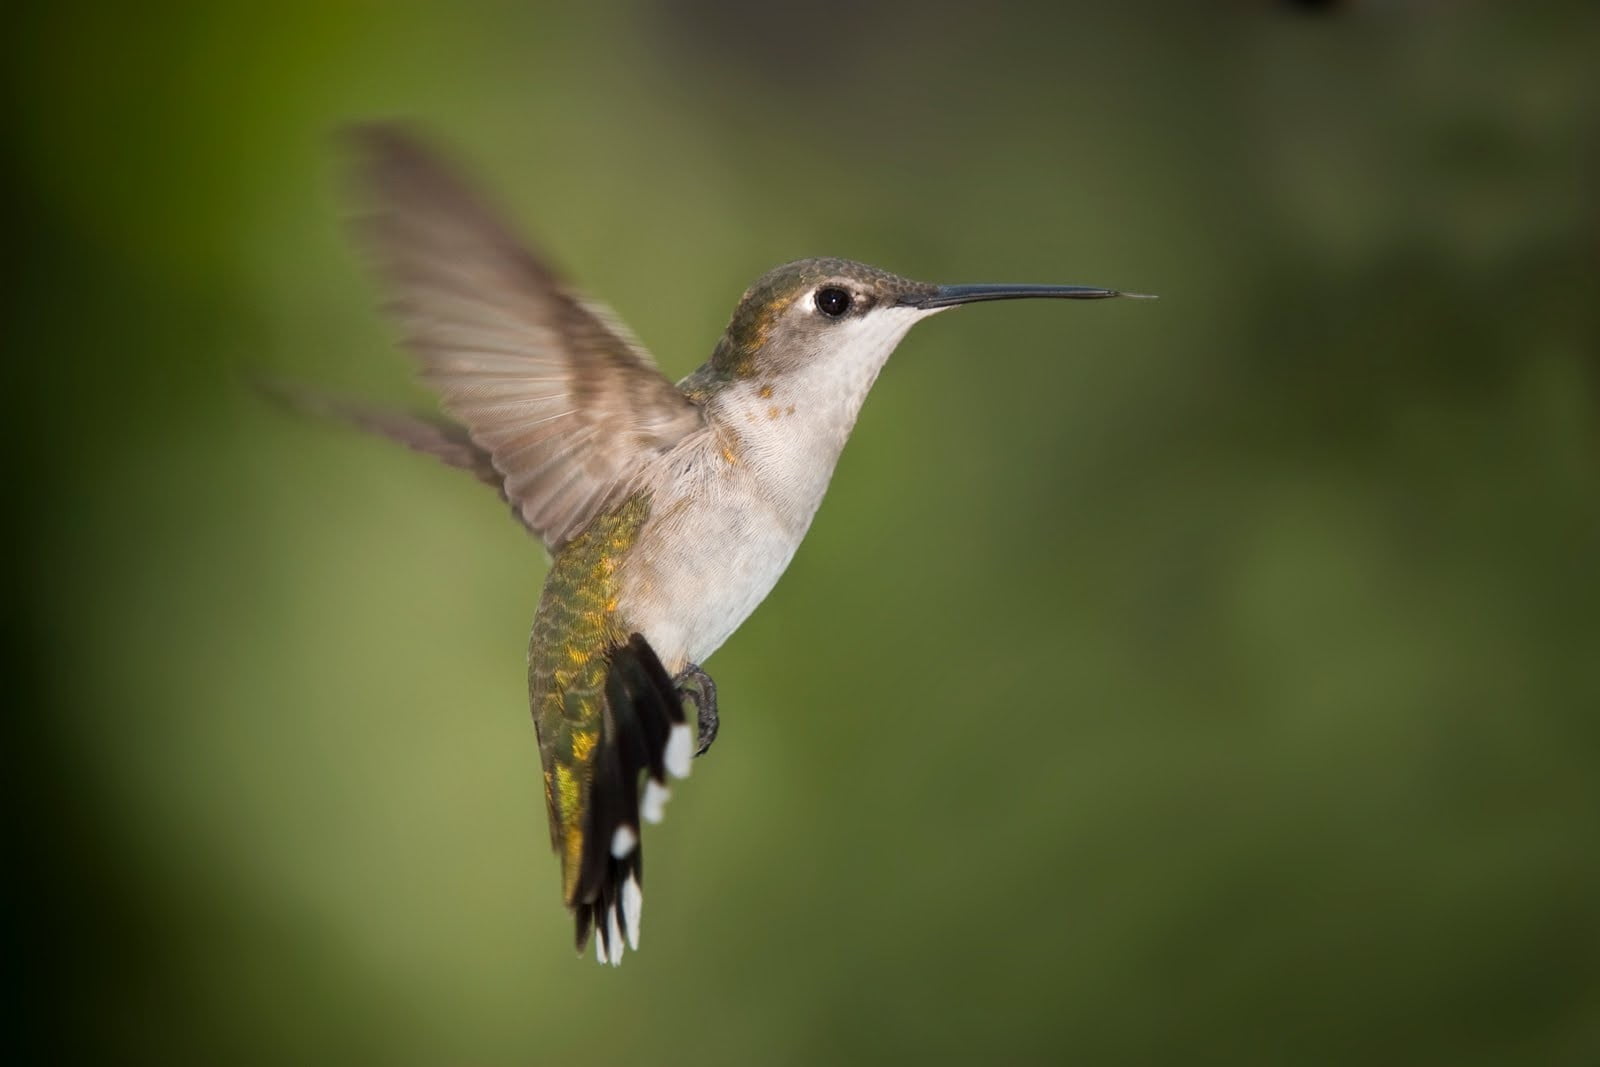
column 669, row 510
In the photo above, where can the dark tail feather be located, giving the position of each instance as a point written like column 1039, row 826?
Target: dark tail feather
column 428, row 434
column 644, row 733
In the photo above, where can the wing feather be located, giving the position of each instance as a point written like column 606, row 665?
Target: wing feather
column 566, row 402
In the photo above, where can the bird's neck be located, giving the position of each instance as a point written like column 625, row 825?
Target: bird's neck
column 788, row 428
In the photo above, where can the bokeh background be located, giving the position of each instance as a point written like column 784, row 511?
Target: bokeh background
column 1208, row 680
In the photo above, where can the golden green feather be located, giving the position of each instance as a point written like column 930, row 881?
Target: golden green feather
column 574, row 629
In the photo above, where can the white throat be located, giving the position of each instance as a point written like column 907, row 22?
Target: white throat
column 791, row 427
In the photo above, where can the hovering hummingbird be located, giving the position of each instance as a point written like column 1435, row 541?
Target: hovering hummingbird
column 669, row 511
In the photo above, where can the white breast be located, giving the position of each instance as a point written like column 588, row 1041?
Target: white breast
column 729, row 508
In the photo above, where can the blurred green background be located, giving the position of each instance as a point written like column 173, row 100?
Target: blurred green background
column 1211, row 680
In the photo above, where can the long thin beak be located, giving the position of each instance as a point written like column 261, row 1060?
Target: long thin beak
column 950, row 295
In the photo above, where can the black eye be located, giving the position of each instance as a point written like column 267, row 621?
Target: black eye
column 833, row 302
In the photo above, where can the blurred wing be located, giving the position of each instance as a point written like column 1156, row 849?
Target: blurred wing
column 567, row 404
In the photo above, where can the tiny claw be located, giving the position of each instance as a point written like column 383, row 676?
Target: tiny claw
column 696, row 687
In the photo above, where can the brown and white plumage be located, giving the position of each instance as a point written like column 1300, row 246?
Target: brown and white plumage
column 560, row 395
column 670, row 511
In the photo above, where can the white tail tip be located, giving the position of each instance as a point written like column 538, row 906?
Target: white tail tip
column 623, row 841
column 680, row 751
column 632, row 908
column 615, row 931
column 655, row 799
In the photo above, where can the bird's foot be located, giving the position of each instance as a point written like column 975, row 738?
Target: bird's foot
column 696, row 687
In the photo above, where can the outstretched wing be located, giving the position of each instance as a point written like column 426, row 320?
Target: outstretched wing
column 432, row 435
column 565, row 402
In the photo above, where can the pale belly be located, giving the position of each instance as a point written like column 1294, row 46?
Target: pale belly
column 691, row 583
column 730, row 507
column 710, row 552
